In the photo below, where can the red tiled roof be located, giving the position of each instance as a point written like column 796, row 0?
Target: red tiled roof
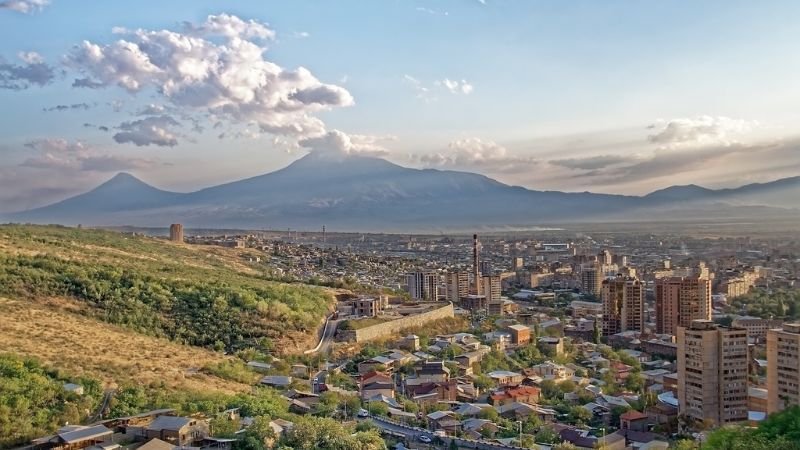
column 633, row 415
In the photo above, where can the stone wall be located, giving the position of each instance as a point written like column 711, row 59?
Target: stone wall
column 385, row 329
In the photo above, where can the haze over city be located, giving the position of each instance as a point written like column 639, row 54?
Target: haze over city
column 608, row 97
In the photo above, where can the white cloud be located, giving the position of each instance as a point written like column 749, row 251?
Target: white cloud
column 455, row 86
column 34, row 71
column 154, row 130
column 24, row 6
column 230, row 80
column 336, row 142
column 71, row 156
column 301, row 34
column 699, row 131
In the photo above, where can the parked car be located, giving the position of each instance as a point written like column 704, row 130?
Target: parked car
column 424, row 439
column 363, row 413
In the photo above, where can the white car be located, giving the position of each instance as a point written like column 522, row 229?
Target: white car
column 363, row 413
column 424, row 439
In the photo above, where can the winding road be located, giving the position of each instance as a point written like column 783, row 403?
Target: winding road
column 326, row 337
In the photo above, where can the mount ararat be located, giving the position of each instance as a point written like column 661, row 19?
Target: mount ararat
column 359, row 193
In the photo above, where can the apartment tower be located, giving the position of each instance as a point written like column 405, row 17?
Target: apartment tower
column 783, row 367
column 457, row 284
column 592, row 278
column 712, row 373
column 423, row 285
column 623, row 305
column 682, row 299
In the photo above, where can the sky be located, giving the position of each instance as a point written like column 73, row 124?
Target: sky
column 613, row 96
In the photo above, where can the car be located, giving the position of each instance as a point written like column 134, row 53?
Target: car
column 425, row 439
column 363, row 413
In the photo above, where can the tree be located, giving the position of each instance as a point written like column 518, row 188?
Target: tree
column 489, row 414
column 546, row 435
column 597, row 333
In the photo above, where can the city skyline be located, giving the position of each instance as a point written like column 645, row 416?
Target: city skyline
column 617, row 99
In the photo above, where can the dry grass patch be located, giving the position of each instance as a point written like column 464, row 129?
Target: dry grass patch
column 63, row 339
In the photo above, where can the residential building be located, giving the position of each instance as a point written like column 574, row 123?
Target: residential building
column 490, row 284
column 591, row 278
column 423, row 285
column 681, row 300
column 367, row 307
column 756, row 326
column 581, row 308
column 783, row 367
column 520, row 334
column 712, row 373
column 457, row 286
column 623, row 305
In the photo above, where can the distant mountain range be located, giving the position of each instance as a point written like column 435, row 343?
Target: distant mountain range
column 360, row 193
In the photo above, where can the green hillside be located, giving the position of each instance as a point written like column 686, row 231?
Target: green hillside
column 198, row 295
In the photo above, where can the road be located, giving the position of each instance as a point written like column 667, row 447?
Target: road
column 103, row 405
column 326, row 339
column 412, row 435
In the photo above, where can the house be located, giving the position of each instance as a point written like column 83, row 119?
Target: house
column 179, row 431
column 633, row 420
column 433, row 371
column 522, row 394
column 376, row 383
column 505, row 377
column 421, row 391
column 443, row 420
column 157, row 444
column 466, row 360
column 550, row 371
column 479, row 428
column 520, row 334
column 552, row 346
column 521, row 411
column 471, row 409
column 302, row 402
column 278, row 381
column 584, row 441
column 377, row 363
column 75, row 437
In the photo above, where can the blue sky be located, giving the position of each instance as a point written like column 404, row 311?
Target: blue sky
column 606, row 96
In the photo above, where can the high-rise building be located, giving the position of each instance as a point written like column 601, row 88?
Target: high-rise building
column 423, row 285
column 605, row 257
column 176, row 232
column 486, row 268
column 518, row 263
column 623, row 305
column 457, row 284
column 681, row 300
column 712, row 373
column 491, row 287
column 591, row 278
column 783, row 367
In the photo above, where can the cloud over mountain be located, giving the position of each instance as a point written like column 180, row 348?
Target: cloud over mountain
column 215, row 69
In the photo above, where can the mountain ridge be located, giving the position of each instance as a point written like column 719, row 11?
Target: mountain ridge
column 373, row 194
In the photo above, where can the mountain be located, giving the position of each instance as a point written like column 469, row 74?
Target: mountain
column 350, row 192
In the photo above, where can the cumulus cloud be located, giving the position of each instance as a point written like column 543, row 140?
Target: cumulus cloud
column 66, row 155
column 699, row 131
column 475, row 154
column 155, row 130
column 83, row 106
column 24, row 6
column 215, row 68
column 455, row 86
column 336, row 142
column 152, row 110
column 33, row 71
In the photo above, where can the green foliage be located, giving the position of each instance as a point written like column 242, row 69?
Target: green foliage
column 33, row 400
column 313, row 433
column 778, row 431
column 232, row 370
column 155, row 288
column 546, row 435
column 762, row 303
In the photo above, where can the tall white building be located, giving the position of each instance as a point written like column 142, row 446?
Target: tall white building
column 423, row 285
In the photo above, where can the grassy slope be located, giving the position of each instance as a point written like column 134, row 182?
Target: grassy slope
column 198, row 295
column 86, row 347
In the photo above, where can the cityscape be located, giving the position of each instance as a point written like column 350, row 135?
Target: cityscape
column 449, row 225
